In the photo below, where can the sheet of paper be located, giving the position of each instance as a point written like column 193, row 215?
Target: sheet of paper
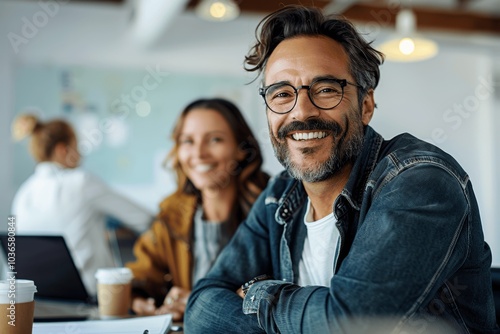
column 158, row 324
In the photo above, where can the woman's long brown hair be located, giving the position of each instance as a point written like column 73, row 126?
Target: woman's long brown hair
column 250, row 179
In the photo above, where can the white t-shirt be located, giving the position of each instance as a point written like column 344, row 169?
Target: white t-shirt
column 73, row 203
column 316, row 264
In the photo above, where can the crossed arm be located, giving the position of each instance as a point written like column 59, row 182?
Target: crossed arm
column 403, row 252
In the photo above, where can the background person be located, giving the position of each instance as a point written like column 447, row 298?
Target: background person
column 357, row 228
column 218, row 165
column 63, row 199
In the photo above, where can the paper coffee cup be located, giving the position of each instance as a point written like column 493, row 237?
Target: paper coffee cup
column 113, row 292
column 17, row 306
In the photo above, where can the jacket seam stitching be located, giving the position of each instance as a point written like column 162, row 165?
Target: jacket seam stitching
column 445, row 261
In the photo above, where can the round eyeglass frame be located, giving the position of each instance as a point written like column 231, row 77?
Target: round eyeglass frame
column 341, row 82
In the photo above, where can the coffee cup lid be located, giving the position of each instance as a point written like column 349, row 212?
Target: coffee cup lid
column 21, row 284
column 21, row 290
column 113, row 275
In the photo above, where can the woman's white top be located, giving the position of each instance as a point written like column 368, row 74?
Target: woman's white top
column 74, row 203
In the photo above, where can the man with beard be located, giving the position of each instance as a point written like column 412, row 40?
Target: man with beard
column 358, row 231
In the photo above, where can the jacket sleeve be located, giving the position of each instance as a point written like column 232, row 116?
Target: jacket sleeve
column 150, row 269
column 214, row 306
column 407, row 244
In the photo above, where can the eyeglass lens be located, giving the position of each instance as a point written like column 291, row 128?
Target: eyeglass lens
column 324, row 94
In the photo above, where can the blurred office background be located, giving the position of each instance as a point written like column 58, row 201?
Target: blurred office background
column 121, row 72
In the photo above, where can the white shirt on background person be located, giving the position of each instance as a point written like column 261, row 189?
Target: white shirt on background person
column 75, row 204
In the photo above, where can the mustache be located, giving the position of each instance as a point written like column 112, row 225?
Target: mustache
column 309, row 125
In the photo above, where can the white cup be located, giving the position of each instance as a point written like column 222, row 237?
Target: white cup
column 17, row 306
column 113, row 292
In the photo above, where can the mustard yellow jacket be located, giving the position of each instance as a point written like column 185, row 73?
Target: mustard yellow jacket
column 163, row 253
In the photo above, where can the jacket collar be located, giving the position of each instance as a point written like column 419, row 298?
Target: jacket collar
column 48, row 168
column 363, row 167
column 177, row 212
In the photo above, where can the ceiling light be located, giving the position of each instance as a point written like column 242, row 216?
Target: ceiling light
column 217, row 10
column 406, row 45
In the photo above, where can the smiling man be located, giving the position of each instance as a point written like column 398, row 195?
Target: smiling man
column 358, row 231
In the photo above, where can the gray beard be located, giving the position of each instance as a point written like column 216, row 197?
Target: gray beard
column 344, row 152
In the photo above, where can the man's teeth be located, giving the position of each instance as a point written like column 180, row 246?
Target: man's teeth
column 309, row 135
column 203, row 168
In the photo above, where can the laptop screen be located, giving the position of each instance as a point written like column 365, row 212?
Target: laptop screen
column 46, row 260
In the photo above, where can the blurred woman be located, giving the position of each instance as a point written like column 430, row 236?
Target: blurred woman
column 61, row 198
column 218, row 165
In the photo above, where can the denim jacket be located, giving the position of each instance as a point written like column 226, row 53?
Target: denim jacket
column 411, row 251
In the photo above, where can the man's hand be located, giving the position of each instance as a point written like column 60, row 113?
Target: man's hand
column 244, row 288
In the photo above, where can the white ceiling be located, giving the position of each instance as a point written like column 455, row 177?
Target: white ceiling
column 100, row 35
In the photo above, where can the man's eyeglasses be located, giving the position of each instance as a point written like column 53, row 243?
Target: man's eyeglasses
column 325, row 94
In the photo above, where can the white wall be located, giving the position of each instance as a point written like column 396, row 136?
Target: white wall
column 6, row 94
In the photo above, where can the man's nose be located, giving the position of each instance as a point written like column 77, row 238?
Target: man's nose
column 304, row 108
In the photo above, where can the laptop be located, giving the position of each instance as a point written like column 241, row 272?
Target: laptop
column 46, row 260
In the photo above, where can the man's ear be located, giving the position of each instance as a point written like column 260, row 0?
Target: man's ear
column 368, row 107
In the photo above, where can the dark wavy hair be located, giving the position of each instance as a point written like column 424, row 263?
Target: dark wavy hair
column 251, row 180
column 294, row 20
